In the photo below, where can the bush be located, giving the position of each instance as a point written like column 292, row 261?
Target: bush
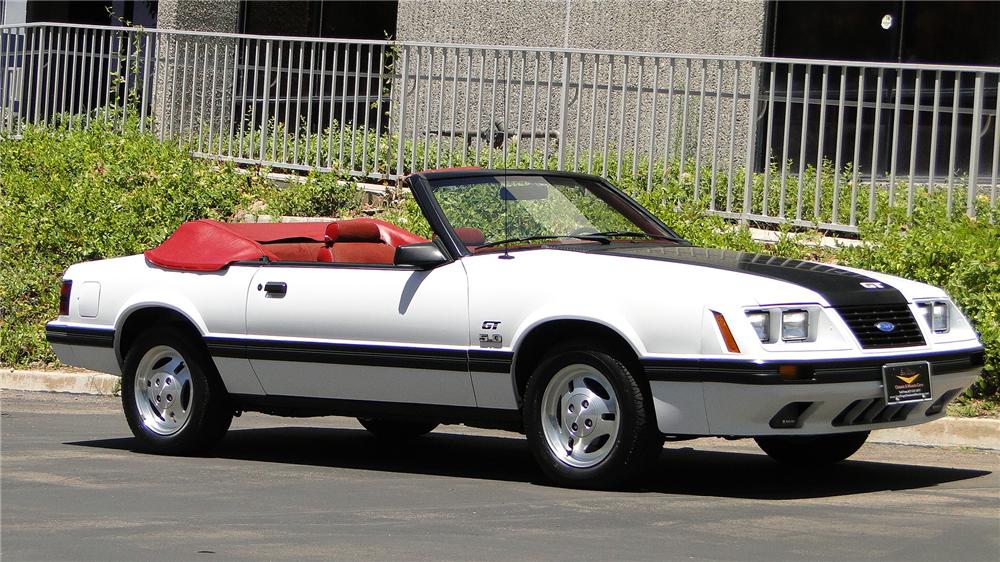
column 72, row 195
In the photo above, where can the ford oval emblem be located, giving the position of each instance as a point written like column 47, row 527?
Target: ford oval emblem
column 885, row 326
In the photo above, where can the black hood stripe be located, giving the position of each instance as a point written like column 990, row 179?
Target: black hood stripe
column 839, row 287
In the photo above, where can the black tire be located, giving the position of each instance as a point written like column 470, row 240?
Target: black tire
column 397, row 430
column 812, row 450
column 637, row 443
column 200, row 398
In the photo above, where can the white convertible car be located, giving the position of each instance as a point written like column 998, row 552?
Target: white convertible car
column 548, row 303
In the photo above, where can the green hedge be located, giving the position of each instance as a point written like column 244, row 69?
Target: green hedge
column 71, row 195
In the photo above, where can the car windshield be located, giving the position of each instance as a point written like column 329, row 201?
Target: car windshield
column 493, row 211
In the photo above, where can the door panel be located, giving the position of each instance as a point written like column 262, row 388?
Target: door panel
column 360, row 333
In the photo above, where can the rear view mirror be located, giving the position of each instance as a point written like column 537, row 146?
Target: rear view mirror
column 524, row 192
column 424, row 255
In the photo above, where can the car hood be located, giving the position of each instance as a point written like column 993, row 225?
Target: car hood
column 840, row 287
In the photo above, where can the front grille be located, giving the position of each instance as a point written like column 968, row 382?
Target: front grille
column 863, row 319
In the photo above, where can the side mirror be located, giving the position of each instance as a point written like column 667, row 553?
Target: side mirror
column 424, row 255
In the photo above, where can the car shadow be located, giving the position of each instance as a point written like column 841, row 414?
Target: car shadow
column 679, row 470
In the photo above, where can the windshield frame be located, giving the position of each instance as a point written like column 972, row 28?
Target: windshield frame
column 422, row 187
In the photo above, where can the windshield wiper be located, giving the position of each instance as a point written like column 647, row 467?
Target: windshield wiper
column 588, row 237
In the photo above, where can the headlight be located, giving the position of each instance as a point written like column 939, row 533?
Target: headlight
column 936, row 315
column 761, row 322
column 794, row 325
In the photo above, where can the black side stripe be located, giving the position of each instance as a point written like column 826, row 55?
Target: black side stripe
column 364, row 355
column 811, row 372
column 74, row 335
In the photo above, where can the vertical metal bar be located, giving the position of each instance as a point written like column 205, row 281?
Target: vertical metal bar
column 506, row 97
column 751, row 141
column 173, row 86
column 953, row 139
column 277, row 101
column 343, row 101
column 74, row 103
column 621, row 119
column 821, row 137
column 534, row 115
column 416, row 108
column 841, row 99
column 378, row 106
column 427, row 106
column 366, row 107
column 936, row 104
column 214, row 85
column 7, row 38
column 479, row 107
column 593, row 115
column 895, row 139
column 670, row 123
column 607, row 112
column 977, row 114
column 454, row 102
column 784, row 141
column 440, row 115
column 354, row 107
column 404, row 78
column 243, row 97
column 767, row 143
column 230, row 132
column 147, row 81
column 298, row 103
column 321, row 93
column 548, row 111
column 875, row 142
column 732, row 138
column 265, row 107
column 701, row 127
column 333, row 103
column 520, row 108
column 49, row 79
column 194, row 67
column 579, row 109
column 914, row 134
column 493, row 110
column 60, row 55
column 715, row 136
column 309, row 105
column 128, row 59
column 563, row 107
column 201, row 101
column 229, row 92
column 288, row 102
column 184, row 74
column 802, row 143
column 684, row 116
column 856, row 162
column 638, row 118
column 45, row 39
column 467, row 120
column 996, row 149
column 652, row 124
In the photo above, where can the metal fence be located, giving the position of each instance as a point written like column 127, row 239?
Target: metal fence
column 810, row 142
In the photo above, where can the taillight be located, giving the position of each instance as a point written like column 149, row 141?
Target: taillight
column 67, row 288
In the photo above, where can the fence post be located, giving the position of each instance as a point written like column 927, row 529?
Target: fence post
column 977, row 114
column 563, row 102
column 403, row 74
column 751, row 142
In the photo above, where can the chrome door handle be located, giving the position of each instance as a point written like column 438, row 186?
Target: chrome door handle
column 275, row 289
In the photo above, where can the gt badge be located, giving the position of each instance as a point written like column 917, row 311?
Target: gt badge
column 491, row 340
column 872, row 285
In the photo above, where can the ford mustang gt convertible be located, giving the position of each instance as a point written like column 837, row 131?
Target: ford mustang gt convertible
column 542, row 302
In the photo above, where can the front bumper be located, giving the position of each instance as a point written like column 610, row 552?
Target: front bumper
column 752, row 399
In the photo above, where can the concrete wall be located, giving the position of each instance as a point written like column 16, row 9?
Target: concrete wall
column 720, row 27
column 199, row 15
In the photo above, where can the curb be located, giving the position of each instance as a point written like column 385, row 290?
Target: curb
column 977, row 433
column 88, row 382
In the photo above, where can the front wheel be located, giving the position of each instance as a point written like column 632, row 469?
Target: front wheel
column 173, row 400
column 588, row 421
column 812, row 450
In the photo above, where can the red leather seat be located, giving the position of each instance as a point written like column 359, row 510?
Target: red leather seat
column 355, row 241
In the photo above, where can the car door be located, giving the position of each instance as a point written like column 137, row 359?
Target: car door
column 362, row 333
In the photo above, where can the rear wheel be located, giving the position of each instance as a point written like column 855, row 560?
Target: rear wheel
column 812, row 450
column 172, row 397
column 398, row 430
column 588, row 421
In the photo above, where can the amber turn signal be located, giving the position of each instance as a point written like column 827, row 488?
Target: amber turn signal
column 727, row 336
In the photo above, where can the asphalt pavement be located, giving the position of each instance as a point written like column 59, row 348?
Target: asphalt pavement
column 73, row 488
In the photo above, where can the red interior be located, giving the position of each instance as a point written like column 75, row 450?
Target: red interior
column 207, row 245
